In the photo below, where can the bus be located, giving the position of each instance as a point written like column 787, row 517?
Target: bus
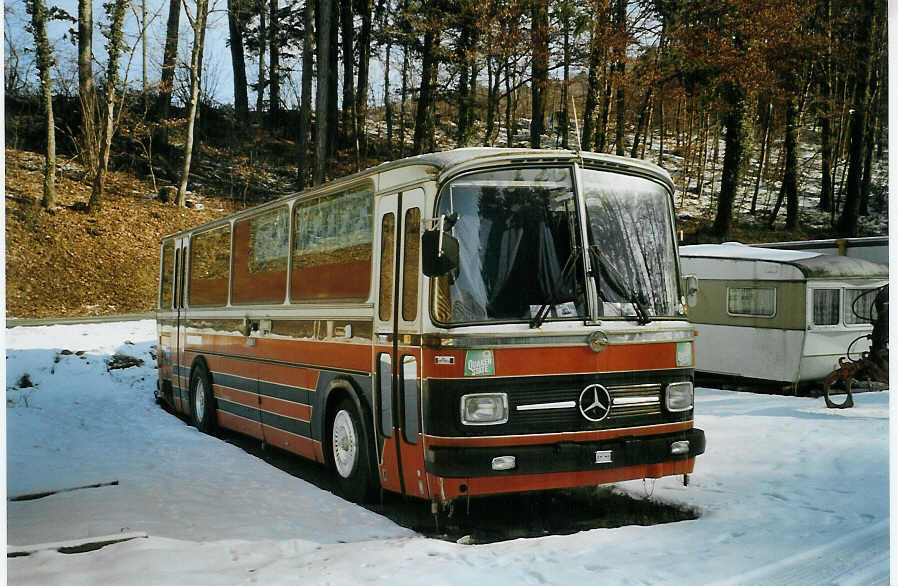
column 472, row 322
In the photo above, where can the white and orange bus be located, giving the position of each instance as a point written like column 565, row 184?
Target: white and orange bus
column 464, row 323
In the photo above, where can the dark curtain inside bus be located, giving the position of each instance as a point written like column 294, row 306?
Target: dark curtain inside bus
column 514, row 240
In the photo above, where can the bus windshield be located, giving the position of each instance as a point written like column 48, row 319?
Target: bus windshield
column 518, row 246
column 631, row 239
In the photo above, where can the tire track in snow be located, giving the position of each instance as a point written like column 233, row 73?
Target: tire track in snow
column 860, row 557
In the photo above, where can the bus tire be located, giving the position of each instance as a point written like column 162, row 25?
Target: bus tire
column 202, row 401
column 349, row 452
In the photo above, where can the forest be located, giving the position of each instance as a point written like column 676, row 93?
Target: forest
column 738, row 93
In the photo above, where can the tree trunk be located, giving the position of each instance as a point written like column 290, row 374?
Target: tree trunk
column 605, row 113
column 44, row 59
column 333, row 111
column 762, row 159
column 263, row 41
column 305, row 105
column 403, row 99
column 274, row 68
column 509, row 129
column 734, row 144
column 169, row 57
column 361, row 96
column 424, row 94
column 113, row 50
column 143, row 49
column 347, row 114
column 620, row 20
column 592, row 88
column 322, row 96
column 86, row 95
column 491, row 93
column 826, row 132
column 199, row 30
column 641, row 121
column 463, row 131
column 235, row 30
column 848, row 220
column 790, row 173
column 566, row 80
column 388, row 103
column 540, row 78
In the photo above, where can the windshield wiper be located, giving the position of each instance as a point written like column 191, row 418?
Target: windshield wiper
column 544, row 309
column 619, row 284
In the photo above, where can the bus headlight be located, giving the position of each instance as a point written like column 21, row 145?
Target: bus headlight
column 679, row 396
column 484, row 409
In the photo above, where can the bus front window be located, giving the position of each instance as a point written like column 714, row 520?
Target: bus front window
column 630, row 228
column 518, row 247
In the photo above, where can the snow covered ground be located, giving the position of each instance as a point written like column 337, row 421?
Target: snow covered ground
column 789, row 492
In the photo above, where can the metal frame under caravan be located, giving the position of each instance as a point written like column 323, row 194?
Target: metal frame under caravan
column 777, row 315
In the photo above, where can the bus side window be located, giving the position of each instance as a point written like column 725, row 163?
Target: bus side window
column 410, row 264
column 410, row 398
column 387, row 253
column 166, row 282
column 210, row 263
column 179, row 277
column 385, row 382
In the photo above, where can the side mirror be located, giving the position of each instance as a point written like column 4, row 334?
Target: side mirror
column 439, row 248
column 690, row 283
column 437, row 259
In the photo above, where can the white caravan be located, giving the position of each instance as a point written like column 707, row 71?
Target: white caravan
column 778, row 315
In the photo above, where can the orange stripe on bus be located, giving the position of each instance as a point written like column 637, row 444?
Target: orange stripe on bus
column 235, row 396
column 239, row 424
column 558, row 360
column 235, row 366
column 551, row 438
column 340, row 355
column 452, row 487
column 287, row 408
column 294, row 376
column 297, row 444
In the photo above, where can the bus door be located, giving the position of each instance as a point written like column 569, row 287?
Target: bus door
column 398, row 345
column 181, row 378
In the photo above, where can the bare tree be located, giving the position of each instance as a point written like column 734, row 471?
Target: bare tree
column 235, row 33
column 274, row 69
column 324, row 19
column 114, row 49
column 170, row 54
column 86, row 83
column 38, row 11
column 305, row 105
column 540, row 39
column 198, row 24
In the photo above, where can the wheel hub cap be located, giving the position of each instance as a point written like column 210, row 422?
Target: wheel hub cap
column 345, row 444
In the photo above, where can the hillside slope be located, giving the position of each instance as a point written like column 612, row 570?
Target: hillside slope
column 72, row 263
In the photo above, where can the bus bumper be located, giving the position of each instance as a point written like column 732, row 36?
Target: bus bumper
column 456, row 472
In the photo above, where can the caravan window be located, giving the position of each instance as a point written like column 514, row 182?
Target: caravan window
column 751, row 301
column 826, row 307
column 859, row 308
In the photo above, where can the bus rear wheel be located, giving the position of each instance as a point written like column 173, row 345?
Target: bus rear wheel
column 350, row 454
column 202, row 402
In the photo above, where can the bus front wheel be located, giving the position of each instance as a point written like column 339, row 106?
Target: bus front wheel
column 350, row 452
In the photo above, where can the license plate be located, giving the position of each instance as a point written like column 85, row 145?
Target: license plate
column 603, row 456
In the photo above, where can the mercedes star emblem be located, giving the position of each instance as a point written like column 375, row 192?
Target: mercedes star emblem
column 595, row 402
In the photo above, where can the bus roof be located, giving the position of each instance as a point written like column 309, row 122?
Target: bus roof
column 447, row 162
